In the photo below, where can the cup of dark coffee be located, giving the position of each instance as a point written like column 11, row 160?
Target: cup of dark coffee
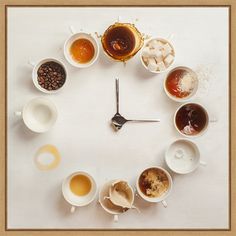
column 121, row 41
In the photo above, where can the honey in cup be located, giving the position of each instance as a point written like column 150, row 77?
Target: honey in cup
column 82, row 50
column 80, row 185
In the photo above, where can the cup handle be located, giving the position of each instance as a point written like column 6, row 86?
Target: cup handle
column 72, row 29
column 213, row 120
column 116, row 218
column 18, row 113
column 72, row 209
column 203, row 163
column 118, row 18
column 164, row 203
column 31, row 63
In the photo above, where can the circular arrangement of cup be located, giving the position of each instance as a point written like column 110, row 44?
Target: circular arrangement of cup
column 160, row 198
column 164, row 41
column 75, row 200
column 80, row 35
column 39, row 114
column 193, row 92
column 183, row 156
column 36, row 67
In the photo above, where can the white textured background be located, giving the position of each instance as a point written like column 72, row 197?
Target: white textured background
column 83, row 134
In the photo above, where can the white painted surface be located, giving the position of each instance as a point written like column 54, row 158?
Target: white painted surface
column 83, row 134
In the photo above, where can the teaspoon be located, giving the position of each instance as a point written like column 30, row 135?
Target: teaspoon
column 118, row 120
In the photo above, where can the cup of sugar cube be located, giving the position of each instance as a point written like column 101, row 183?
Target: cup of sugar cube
column 157, row 55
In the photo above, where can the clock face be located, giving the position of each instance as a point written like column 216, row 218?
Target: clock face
column 84, row 134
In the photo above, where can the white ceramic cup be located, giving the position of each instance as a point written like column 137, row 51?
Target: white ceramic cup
column 206, row 125
column 183, row 156
column 107, row 205
column 77, row 35
column 162, row 197
column 39, row 114
column 141, row 55
column 191, row 95
column 74, row 200
column 35, row 74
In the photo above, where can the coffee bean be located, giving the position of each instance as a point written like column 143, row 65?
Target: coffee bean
column 51, row 75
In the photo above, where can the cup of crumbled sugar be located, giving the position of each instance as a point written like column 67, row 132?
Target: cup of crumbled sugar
column 157, row 55
column 181, row 84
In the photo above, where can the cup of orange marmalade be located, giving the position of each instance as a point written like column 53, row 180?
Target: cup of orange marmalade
column 81, row 49
column 121, row 41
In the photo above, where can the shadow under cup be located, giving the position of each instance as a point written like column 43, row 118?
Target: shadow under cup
column 191, row 120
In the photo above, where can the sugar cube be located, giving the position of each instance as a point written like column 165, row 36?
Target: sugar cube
column 158, row 52
column 167, row 49
column 152, row 66
column 153, row 44
column 161, row 66
column 159, row 58
column 152, row 53
column 169, row 59
column 146, row 52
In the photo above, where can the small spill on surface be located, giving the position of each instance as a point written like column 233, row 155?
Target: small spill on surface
column 205, row 77
column 146, row 37
column 47, row 157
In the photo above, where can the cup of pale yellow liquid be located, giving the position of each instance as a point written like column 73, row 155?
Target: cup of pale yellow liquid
column 79, row 189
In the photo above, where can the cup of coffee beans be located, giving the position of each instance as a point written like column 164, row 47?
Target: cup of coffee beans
column 49, row 75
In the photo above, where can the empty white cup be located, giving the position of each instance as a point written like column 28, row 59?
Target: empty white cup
column 39, row 114
column 183, row 156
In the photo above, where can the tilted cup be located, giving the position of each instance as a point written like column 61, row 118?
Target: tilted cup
column 107, row 204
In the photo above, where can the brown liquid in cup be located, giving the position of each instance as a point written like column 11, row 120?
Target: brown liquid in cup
column 191, row 119
column 121, row 41
column 153, row 182
column 80, row 185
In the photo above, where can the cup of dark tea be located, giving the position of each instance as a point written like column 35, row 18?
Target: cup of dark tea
column 181, row 84
column 192, row 120
column 121, row 41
